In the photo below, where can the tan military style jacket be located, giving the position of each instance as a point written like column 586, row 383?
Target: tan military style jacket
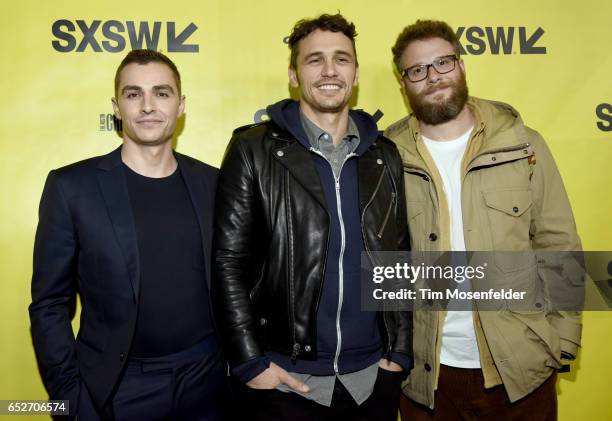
column 513, row 199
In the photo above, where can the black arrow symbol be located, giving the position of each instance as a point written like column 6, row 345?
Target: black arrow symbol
column 528, row 44
column 176, row 44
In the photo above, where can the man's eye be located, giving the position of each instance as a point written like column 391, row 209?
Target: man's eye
column 343, row 59
column 442, row 61
column 131, row 95
column 418, row 70
column 314, row 61
column 163, row 94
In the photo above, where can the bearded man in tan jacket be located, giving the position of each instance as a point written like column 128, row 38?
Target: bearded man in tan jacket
column 476, row 179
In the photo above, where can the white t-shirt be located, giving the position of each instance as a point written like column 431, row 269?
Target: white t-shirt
column 459, row 346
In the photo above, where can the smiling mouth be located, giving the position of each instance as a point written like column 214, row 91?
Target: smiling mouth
column 149, row 121
column 329, row 87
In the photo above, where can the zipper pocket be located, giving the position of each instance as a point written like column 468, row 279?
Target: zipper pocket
column 387, row 215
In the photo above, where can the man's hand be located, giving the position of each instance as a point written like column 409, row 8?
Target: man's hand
column 389, row 365
column 275, row 375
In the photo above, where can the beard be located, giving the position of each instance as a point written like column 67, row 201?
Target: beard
column 434, row 113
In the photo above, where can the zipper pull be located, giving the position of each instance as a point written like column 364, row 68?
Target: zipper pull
column 296, row 351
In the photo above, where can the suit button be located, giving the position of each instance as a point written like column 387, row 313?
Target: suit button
column 121, row 356
column 433, row 236
column 263, row 321
column 515, row 209
column 427, row 367
column 425, row 178
column 493, row 159
column 274, row 134
column 379, row 161
column 280, row 153
column 307, row 348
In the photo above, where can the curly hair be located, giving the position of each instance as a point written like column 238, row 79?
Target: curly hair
column 421, row 30
column 325, row 22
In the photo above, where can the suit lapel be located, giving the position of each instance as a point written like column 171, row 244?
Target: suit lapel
column 200, row 192
column 111, row 178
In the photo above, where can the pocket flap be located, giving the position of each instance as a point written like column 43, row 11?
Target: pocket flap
column 414, row 209
column 513, row 202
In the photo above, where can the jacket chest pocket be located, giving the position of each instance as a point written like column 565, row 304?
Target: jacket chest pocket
column 509, row 214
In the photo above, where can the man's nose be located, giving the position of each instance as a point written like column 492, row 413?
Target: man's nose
column 148, row 103
column 432, row 74
column 329, row 68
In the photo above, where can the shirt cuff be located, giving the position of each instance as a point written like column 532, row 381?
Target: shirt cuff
column 251, row 369
column 402, row 359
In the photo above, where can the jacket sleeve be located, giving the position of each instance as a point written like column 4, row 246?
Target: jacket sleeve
column 231, row 279
column 403, row 343
column 54, row 294
column 554, row 236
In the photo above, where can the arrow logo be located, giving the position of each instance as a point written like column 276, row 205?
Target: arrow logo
column 528, row 44
column 176, row 44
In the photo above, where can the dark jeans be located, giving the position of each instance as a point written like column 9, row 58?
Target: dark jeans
column 461, row 396
column 190, row 385
column 273, row 405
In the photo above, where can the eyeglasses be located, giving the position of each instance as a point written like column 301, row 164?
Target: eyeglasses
column 419, row 72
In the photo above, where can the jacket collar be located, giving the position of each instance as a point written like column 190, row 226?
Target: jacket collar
column 286, row 115
column 497, row 127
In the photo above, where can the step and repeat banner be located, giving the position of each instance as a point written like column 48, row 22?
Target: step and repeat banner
column 550, row 59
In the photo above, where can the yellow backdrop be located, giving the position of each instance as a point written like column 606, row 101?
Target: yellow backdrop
column 550, row 59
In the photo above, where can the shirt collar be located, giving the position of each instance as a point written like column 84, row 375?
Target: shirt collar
column 316, row 135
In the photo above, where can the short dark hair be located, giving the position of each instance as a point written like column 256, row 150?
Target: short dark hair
column 421, row 30
column 145, row 57
column 325, row 22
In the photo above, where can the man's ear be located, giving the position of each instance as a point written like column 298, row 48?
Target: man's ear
column 293, row 78
column 181, row 105
column 116, row 108
column 356, row 81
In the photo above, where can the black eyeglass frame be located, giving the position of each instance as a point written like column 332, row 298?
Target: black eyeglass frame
column 427, row 66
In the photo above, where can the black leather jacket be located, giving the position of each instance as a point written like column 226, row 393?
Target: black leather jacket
column 270, row 241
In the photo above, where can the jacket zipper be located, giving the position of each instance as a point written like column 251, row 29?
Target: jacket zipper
column 386, row 219
column 363, row 233
column 296, row 345
column 340, row 257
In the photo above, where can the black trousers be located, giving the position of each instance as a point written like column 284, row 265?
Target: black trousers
column 190, row 385
column 273, row 405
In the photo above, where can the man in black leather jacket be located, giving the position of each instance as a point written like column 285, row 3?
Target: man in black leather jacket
column 299, row 198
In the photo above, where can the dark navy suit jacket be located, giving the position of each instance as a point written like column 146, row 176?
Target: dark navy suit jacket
column 86, row 243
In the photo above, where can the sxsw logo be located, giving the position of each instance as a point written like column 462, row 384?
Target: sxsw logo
column 604, row 114
column 477, row 40
column 114, row 36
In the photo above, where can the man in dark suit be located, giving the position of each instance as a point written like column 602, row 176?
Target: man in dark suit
column 131, row 233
